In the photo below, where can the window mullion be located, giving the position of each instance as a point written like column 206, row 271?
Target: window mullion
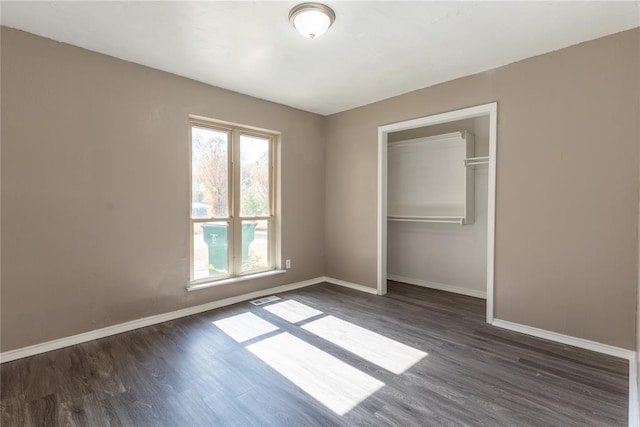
column 235, row 252
column 271, row 249
column 211, row 219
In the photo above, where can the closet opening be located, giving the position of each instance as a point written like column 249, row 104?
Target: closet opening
column 436, row 202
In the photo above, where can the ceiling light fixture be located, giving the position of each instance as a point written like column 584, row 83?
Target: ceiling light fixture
column 312, row 19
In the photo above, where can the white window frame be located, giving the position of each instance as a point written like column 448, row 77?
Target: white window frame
column 234, row 219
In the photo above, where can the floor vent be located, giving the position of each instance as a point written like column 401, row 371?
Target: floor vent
column 265, row 300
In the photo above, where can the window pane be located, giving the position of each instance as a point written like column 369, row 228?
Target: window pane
column 210, row 249
column 210, row 173
column 255, row 245
column 254, row 176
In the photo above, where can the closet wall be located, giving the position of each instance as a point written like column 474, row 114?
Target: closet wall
column 445, row 256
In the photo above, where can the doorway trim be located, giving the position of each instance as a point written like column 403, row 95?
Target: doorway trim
column 491, row 110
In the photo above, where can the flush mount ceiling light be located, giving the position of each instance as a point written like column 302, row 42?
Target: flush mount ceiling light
column 311, row 19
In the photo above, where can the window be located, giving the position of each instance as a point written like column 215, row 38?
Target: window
column 232, row 201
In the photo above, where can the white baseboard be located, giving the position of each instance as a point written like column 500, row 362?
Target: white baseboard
column 566, row 339
column 623, row 353
column 355, row 286
column 31, row 350
column 439, row 286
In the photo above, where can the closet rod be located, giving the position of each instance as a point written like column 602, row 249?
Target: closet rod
column 473, row 161
column 444, row 221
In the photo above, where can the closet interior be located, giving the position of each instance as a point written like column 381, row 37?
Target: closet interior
column 437, row 193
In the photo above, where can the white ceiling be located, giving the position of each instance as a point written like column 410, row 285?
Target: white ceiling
column 375, row 49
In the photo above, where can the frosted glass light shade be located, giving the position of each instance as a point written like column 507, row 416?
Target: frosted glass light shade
column 311, row 19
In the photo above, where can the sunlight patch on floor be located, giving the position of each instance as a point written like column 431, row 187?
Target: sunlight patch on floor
column 245, row 326
column 292, row 311
column 334, row 383
column 371, row 346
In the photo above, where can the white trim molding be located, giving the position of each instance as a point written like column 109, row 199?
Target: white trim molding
column 440, row 286
column 491, row 206
column 565, row 339
column 490, row 110
column 623, row 353
column 44, row 347
column 357, row 287
column 381, row 250
column 196, row 286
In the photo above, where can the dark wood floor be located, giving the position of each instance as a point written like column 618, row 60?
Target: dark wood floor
column 188, row 372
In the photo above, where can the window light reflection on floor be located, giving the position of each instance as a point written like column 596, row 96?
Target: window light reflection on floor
column 292, row 311
column 245, row 326
column 334, row 383
column 371, row 346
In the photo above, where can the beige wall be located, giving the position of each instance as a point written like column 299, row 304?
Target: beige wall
column 567, row 185
column 95, row 189
column 94, row 179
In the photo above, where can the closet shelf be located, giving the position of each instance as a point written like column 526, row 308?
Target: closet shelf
column 426, row 218
column 475, row 161
column 427, row 182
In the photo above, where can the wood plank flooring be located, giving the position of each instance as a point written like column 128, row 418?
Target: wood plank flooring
column 189, row 372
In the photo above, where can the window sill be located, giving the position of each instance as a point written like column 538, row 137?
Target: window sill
column 199, row 285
